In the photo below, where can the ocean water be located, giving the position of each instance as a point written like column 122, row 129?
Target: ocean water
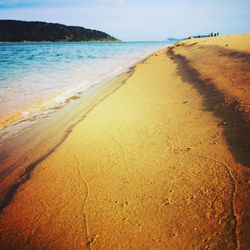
column 37, row 77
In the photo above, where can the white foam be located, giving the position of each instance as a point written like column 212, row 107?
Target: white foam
column 67, row 78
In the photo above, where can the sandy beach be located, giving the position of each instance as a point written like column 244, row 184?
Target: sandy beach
column 158, row 158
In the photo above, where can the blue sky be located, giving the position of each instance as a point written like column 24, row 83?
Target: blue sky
column 137, row 19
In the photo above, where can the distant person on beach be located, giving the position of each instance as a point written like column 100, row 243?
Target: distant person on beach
column 213, row 34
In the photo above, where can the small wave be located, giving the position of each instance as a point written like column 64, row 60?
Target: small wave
column 74, row 74
column 31, row 112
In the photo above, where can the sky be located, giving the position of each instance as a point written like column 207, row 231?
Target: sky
column 137, row 20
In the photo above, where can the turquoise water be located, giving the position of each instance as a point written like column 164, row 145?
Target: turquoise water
column 35, row 77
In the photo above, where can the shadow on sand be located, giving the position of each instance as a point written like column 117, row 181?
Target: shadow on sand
column 235, row 123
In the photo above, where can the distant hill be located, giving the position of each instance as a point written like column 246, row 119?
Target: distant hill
column 173, row 40
column 18, row 31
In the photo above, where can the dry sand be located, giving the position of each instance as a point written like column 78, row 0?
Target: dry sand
column 159, row 159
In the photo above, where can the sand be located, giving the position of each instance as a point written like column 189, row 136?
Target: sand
column 157, row 159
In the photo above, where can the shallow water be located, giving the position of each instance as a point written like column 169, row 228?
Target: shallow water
column 36, row 79
column 45, row 75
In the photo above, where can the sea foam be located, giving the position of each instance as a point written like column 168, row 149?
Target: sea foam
column 37, row 77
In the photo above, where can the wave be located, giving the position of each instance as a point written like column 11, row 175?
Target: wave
column 71, row 82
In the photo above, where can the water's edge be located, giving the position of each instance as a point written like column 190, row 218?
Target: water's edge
column 15, row 123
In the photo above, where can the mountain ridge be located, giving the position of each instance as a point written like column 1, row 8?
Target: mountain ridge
column 37, row 31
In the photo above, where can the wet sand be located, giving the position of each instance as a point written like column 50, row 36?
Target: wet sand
column 158, row 159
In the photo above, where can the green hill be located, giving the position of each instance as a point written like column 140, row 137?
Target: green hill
column 18, row 31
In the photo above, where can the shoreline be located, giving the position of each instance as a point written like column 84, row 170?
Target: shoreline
column 12, row 120
column 15, row 166
column 79, row 107
column 129, row 160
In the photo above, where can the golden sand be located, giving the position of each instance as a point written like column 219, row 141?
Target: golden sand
column 147, row 163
